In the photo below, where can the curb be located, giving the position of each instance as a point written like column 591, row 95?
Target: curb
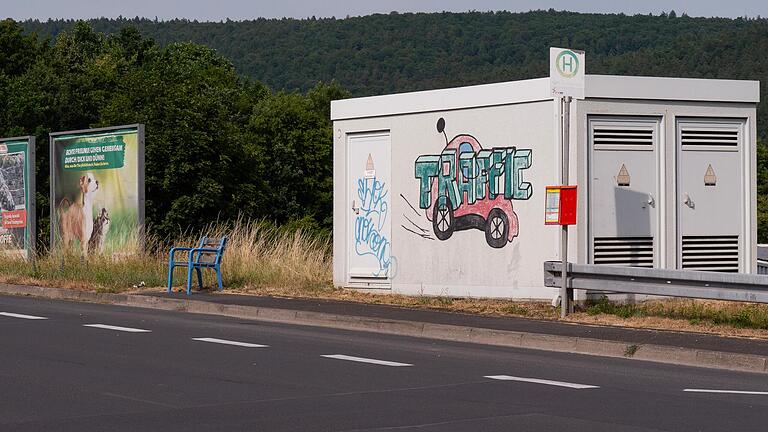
column 569, row 344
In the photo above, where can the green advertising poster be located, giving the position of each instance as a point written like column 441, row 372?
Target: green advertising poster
column 17, row 192
column 97, row 190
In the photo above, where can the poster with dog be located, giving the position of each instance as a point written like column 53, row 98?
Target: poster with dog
column 17, row 212
column 97, row 190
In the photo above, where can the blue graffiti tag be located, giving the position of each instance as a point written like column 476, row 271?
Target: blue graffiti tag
column 372, row 214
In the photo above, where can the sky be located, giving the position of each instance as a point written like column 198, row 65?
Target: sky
column 217, row 10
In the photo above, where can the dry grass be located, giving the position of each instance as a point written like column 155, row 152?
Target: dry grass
column 257, row 255
column 479, row 306
column 720, row 317
column 665, row 323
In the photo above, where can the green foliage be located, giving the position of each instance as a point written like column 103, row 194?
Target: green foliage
column 193, row 105
column 762, row 191
column 17, row 50
column 605, row 306
column 380, row 54
column 748, row 315
column 218, row 146
column 292, row 142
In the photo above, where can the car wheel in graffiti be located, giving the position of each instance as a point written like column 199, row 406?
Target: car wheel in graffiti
column 442, row 219
column 496, row 229
column 467, row 186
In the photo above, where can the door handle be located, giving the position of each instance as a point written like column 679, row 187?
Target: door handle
column 355, row 209
column 651, row 201
column 689, row 202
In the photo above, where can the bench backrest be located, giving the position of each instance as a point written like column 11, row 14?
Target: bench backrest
column 218, row 243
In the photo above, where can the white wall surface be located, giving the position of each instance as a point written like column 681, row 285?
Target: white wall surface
column 464, row 264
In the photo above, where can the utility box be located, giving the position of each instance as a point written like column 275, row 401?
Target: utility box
column 560, row 205
column 442, row 192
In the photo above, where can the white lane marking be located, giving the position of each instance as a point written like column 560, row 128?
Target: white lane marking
column 364, row 360
column 22, row 316
column 542, row 381
column 745, row 392
column 118, row 328
column 229, row 342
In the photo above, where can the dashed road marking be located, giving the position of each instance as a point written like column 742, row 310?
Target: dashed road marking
column 744, row 392
column 541, row 381
column 117, row 328
column 365, row 360
column 22, row 316
column 229, row 342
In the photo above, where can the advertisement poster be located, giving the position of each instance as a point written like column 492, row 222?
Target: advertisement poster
column 97, row 190
column 17, row 192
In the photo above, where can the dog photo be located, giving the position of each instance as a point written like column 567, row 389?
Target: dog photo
column 95, row 193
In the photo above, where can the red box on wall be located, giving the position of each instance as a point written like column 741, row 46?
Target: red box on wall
column 560, row 205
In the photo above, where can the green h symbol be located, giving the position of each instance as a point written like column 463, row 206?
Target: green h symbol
column 567, row 63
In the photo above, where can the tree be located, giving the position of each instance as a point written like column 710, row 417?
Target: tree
column 292, row 141
column 193, row 105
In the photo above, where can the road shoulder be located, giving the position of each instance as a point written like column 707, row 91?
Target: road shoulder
column 689, row 349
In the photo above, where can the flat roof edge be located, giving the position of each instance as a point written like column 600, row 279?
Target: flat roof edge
column 503, row 93
column 534, row 90
column 678, row 89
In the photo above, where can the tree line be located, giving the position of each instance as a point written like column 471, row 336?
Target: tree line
column 218, row 145
column 237, row 111
column 380, row 54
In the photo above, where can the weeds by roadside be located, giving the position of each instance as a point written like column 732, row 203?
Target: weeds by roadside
column 695, row 312
column 257, row 255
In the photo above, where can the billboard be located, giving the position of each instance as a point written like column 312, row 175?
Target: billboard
column 97, row 190
column 17, row 196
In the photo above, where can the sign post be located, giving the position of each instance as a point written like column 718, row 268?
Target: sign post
column 566, row 77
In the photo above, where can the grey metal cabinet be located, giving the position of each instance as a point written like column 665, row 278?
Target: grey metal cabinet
column 710, row 193
column 623, row 189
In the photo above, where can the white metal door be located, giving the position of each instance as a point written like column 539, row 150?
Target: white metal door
column 710, row 198
column 623, row 190
column 369, row 196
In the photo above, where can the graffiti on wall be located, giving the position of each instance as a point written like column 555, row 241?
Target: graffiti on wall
column 371, row 215
column 469, row 187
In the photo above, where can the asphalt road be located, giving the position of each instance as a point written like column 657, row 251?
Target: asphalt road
column 88, row 367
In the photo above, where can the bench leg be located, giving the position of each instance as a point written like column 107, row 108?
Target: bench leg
column 189, row 280
column 170, row 277
column 218, row 278
column 199, row 277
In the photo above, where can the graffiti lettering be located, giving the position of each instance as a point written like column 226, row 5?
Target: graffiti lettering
column 369, row 223
column 467, row 186
column 498, row 171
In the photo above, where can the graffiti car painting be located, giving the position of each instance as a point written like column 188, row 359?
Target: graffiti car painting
column 468, row 187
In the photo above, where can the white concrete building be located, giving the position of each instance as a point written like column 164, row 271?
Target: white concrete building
column 442, row 192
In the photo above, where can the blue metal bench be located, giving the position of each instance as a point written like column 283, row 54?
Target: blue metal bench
column 207, row 255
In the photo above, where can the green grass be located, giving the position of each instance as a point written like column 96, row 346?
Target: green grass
column 695, row 312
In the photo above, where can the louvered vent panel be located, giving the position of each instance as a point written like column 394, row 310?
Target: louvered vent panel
column 711, row 253
column 624, row 251
column 702, row 138
column 618, row 136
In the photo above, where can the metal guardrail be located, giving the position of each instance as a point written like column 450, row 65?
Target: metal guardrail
column 762, row 267
column 673, row 283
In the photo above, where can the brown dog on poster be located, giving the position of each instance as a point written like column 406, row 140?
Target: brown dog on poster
column 76, row 219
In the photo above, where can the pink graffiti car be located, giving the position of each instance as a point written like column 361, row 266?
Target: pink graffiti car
column 495, row 216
